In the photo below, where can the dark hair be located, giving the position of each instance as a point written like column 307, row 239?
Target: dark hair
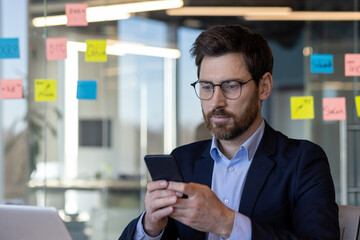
column 219, row 40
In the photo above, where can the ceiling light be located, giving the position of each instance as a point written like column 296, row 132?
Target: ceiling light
column 49, row 21
column 147, row 6
column 62, row 19
column 307, row 16
column 111, row 12
column 265, row 13
column 118, row 48
column 228, row 11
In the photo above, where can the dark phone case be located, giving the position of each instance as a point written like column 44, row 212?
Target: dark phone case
column 163, row 167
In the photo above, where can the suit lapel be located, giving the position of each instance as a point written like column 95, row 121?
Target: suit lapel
column 203, row 169
column 259, row 171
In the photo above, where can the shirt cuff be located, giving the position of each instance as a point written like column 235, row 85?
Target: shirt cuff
column 140, row 232
column 241, row 229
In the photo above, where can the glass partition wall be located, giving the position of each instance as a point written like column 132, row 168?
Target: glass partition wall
column 83, row 151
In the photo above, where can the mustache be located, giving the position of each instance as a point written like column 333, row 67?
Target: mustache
column 218, row 113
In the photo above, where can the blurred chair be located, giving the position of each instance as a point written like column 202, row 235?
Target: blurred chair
column 349, row 217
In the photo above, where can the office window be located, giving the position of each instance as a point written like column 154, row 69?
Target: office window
column 85, row 156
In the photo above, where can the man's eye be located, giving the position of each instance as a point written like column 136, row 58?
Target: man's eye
column 231, row 85
column 206, row 86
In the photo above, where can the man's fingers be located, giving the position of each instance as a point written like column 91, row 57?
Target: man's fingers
column 181, row 215
column 157, row 185
column 162, row 213
column 161, row 203
column 179, row 194
column 184, row 188
column 163, row 194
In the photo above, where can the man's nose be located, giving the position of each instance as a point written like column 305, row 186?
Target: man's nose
column 218, row 99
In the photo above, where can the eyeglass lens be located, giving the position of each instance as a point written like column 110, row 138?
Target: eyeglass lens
column 230, row 89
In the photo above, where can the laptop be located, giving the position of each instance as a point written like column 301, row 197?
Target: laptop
column 19, row 222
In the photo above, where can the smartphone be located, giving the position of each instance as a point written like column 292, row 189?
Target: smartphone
column 163, row 167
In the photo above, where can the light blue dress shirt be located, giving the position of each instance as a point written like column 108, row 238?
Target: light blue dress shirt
column 228, row 180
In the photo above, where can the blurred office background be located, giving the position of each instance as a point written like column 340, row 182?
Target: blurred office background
column 85, row 157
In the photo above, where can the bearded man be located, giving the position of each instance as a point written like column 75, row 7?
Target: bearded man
column 249, row 181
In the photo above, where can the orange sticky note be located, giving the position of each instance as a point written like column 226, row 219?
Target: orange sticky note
column 11, row 88
column 45, row 90
column 95, row 51
column 76, row 14
column 56, row 48
column 334, row 109
column 352, row 64
column 357, row 102
column 302, row 107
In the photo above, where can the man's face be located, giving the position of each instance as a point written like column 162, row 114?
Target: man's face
column 227, row 119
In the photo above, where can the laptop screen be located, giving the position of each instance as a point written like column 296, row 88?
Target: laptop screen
column 19, row 222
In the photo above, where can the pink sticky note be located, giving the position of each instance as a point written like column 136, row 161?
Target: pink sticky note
column 352, row 64
column 334, row 109
column 11, row 88
column 56, row 48
column 76, row 14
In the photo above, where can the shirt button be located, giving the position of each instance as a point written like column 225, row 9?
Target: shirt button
column 226, row 201
column 231, row 169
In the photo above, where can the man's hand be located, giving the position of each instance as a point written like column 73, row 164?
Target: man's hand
column 202, row 210
column 158, row 204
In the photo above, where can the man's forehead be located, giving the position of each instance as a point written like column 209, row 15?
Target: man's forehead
column 223, row 68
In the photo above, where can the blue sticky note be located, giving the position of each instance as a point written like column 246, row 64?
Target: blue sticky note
column 86, row 89
column 9, row 48
column 321, row 63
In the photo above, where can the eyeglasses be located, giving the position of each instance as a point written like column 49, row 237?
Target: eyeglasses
column 230, row 89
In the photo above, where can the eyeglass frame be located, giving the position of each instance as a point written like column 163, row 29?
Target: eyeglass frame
column 219, row 85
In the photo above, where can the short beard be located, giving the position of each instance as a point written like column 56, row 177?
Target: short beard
column 229, row 131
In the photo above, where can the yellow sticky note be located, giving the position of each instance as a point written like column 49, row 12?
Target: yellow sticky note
column 357, row 101
column 302, row 107
column 95, row 51
column 45, row 90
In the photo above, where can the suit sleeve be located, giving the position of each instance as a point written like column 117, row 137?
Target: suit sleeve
column 129, row 231
column 314, row 211
column 170, row 232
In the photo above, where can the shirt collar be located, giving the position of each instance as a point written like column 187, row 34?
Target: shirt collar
column 250, row 145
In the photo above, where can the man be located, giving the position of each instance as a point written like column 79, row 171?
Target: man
column 249, row 181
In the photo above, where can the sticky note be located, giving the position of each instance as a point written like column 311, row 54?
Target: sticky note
column 95, row 51
column 45, row 90
column 11, row 88
column 76, row 14
column 302, row 107
column 352, row 64
column 357, row 102
column 334, row 109
column 9, row 48
column 56, row 48
column 86, row 89
column 321, row 63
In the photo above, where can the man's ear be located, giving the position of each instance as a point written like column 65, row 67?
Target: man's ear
column 265, row 86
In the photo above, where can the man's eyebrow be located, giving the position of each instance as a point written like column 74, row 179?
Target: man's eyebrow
column 225, row 80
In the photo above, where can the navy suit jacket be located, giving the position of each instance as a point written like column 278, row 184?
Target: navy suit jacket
column 288, row 193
